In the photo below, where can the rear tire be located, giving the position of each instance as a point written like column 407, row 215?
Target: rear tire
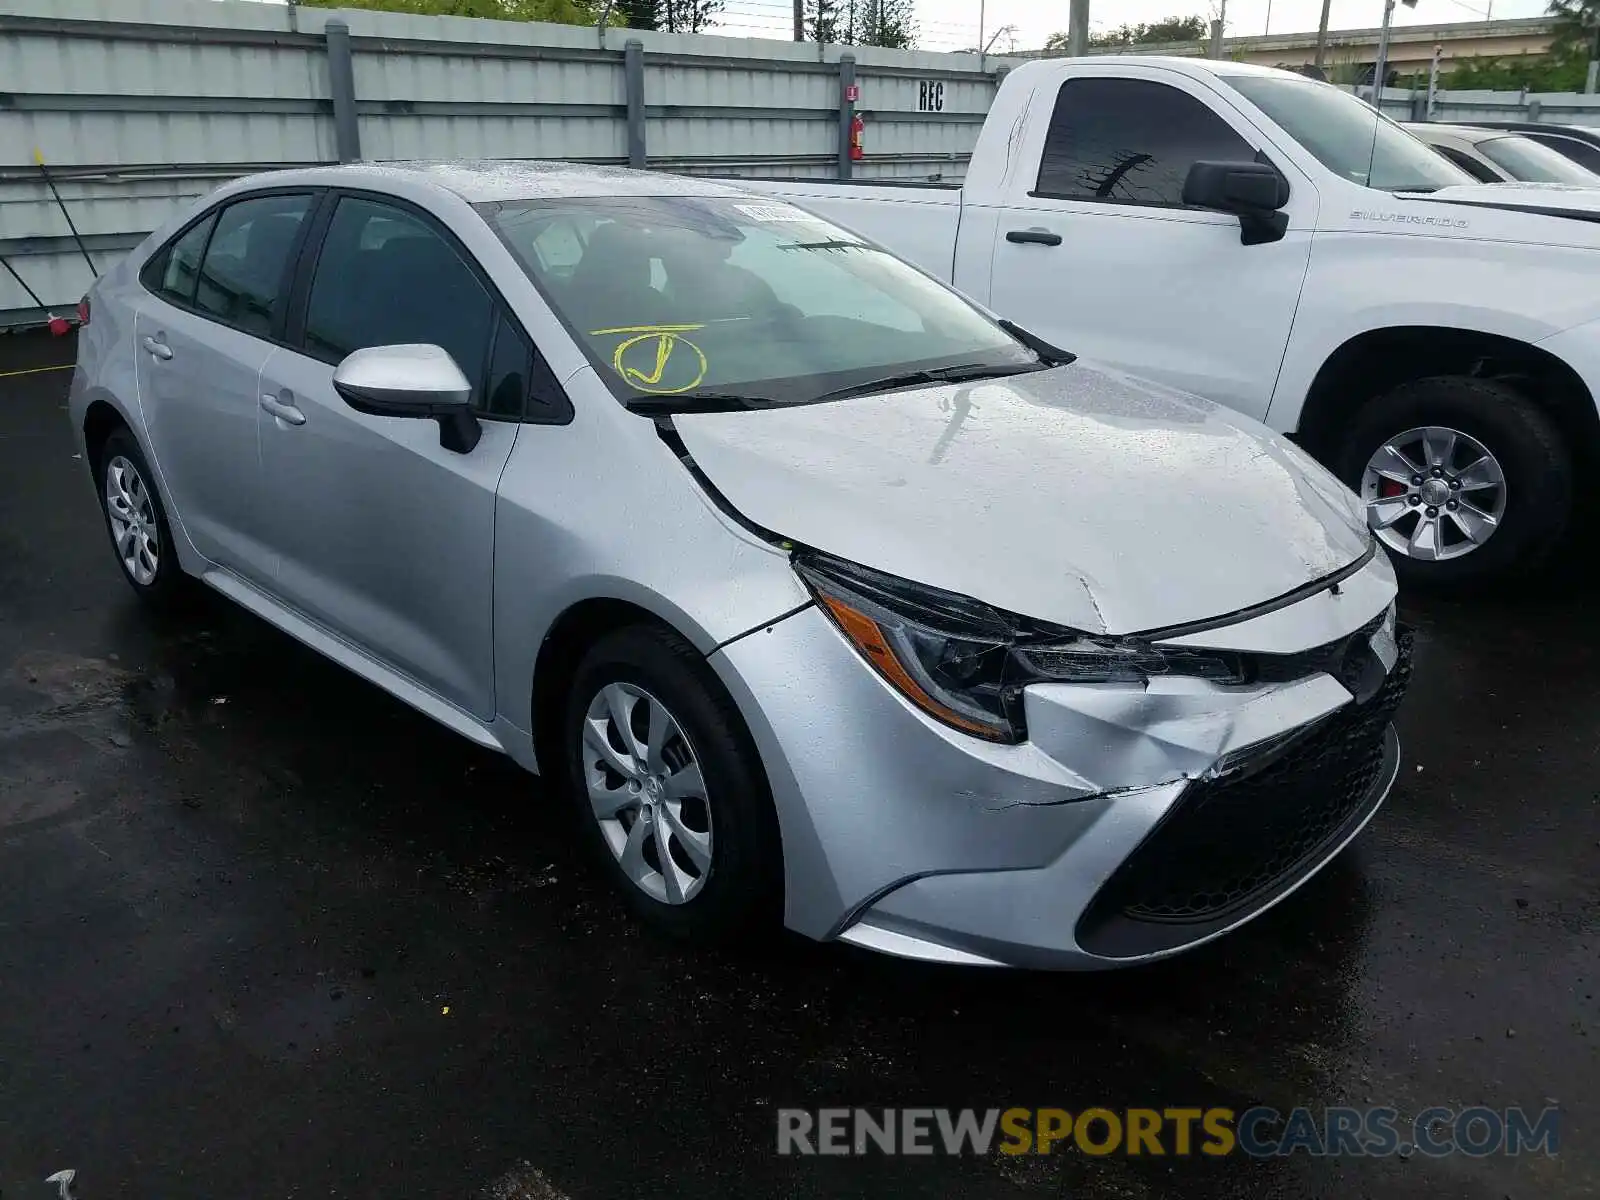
column 659, row 763
column 136, row 523
column 1458, row 525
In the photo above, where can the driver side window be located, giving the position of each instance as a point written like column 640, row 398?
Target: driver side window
column 1130, row 141
column 385, row 277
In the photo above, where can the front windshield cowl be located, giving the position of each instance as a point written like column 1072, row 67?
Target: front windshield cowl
column 685, row 303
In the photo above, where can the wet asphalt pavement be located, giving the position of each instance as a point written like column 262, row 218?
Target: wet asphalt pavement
column 266, row 932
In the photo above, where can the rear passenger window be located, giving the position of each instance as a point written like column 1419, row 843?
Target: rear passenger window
column 244, row 281
column 1581, row 153
column 173, row 272
column 387, row 278
column 1131, row 141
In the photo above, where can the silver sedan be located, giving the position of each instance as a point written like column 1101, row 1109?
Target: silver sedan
column 824, row 596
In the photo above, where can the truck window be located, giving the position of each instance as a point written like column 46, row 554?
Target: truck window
column 1130, row 141
column 1347, row 135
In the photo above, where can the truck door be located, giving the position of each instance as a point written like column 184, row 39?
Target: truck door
column 1098, row 253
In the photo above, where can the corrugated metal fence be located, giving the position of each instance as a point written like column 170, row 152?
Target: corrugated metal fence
column 1465, row 107
column 138, row 104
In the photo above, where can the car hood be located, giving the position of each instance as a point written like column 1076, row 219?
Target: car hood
column 1554, row 198
column 1077, row 495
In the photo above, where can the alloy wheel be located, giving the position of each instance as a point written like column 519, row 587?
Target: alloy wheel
column 133, row 521
column 646, row 791
column 1434, row 493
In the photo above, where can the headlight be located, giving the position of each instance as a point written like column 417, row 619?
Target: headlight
column 965, row 663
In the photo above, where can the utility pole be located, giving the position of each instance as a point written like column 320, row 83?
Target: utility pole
column 1381, row 67
column 799, row 20
column 1078, row 28
column 1322, row 37
column 1267, row 30
column 1433, row 80
column 1217, row 27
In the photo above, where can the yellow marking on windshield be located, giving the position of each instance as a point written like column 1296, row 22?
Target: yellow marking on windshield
column 647, row 329
column 667, row 341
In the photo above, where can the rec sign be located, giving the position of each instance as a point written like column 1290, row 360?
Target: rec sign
column 930, row 95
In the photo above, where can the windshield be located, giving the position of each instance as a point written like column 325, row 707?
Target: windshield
column 1347, row 135
column 1526, row 160
column 675, row 298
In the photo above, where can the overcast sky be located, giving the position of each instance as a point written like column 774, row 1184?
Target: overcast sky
column 953, row 24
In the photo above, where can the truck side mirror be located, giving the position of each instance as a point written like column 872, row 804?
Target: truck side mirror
column 1253, row 191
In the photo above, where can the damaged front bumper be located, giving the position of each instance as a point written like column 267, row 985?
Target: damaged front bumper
column 1135, row 822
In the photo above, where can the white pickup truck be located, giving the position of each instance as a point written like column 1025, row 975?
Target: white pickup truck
column 1271, row 243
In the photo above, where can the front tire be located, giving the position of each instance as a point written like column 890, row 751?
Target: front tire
column 669, row 790
column 1464, row 479
column 137, row 524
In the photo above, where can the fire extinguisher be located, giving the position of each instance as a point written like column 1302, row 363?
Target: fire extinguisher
column 858, row 129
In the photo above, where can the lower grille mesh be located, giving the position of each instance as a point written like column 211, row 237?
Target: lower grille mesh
column 1230, row 840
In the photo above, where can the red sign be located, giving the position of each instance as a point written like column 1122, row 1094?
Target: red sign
column 853, row 93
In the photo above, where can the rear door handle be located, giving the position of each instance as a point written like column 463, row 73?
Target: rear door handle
column 1041, row 237
column 285, row 412
column 157, row 347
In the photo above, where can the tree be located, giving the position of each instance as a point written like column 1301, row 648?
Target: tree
column 687, row 16
column 635, row 14
column 826, row 21
column 1559, row 71
column 888, row 23
column 1172, row 29
column 563, row 12
column 1577, row 27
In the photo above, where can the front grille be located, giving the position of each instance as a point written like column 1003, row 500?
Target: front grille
column 1230, row 843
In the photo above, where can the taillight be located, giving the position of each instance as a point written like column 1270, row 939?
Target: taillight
column 83, row 311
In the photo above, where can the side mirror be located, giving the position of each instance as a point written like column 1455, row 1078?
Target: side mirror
column 1252, row 191
column 411, row 381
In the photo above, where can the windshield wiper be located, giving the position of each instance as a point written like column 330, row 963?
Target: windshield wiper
column 699, row 402
column 961, row 373
column 1053, row 356
column 836, row 244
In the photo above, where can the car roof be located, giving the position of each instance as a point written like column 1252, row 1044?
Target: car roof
column 1582, row 133
column 1189, row 65
column 1466, row 133
column 487, row 180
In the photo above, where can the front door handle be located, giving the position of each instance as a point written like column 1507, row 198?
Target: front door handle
column 157, row 347
column 1040, row 237
column 284, row 411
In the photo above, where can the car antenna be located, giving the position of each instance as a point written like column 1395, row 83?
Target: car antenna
column 38, row 157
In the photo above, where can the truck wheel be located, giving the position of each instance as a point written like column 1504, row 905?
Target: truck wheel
column 1463, row 479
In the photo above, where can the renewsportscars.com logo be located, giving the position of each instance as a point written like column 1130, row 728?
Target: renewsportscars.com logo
column 1215, row 1132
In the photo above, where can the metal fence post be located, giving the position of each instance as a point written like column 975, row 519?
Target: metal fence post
column 342, row 86
column 847, row 111
column 633, row 77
